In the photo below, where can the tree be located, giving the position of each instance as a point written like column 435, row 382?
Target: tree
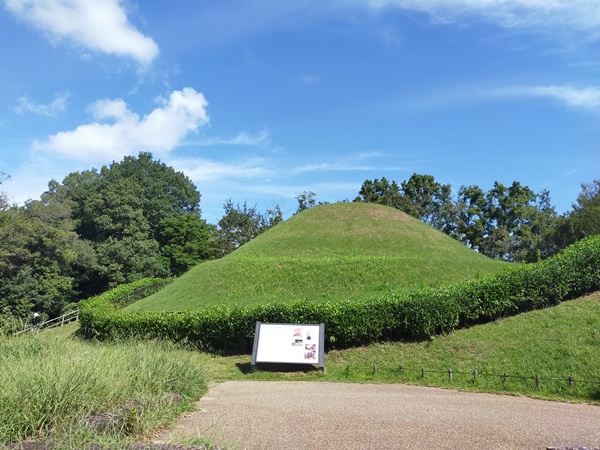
column 534, row 236
column 582, row 221
column 429, row 201
column 186, row 240
column 559, row 236
column 520, row 216
column 120, row 209
column 127, row 250
column 585, row 217
column 273, row 216
column 305, row 200
column 40, row 259
column 162, row 191
column 15, row 252
column 471, row 207
column 241, row 224
column 381, row 192
column 507, row 209
column 509, row 223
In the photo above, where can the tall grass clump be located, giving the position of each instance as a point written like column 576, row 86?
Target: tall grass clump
column 51, row 385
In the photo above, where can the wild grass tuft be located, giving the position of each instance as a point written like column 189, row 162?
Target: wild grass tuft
column 50, row 384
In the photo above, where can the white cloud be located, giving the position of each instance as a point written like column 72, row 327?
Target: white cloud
column 309, row 79
column 99, row 25
column 160, row 131
column 203, row 170
column 261, row 139
column 570, row 15
column 587, row 98
column 58, row 105
column 390, row 36
column 582, row 98
column 365, row 161
column 332, row 167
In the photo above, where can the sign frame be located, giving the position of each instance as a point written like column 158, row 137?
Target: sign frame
column 288, row 343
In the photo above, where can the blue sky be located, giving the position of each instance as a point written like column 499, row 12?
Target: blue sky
column 263, row 100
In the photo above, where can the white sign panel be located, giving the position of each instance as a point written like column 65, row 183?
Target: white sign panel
column 288, row 343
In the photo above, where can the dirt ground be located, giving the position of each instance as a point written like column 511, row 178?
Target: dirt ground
column 303, row 415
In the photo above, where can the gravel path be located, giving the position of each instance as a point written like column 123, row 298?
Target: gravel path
column 310, row 415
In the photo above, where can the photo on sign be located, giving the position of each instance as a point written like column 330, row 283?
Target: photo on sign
column 310, row 355
column 297, row 338
column 310, row 351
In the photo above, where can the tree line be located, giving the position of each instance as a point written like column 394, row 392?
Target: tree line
column 140, row 218
column 512, row 223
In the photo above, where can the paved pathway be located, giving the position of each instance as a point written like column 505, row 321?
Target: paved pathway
column 313, row 415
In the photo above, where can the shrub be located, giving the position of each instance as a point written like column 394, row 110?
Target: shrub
column 419, row 314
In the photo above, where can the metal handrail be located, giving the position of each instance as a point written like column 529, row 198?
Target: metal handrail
column 52, row 323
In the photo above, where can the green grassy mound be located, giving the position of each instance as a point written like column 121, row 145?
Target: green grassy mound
column 334, row 252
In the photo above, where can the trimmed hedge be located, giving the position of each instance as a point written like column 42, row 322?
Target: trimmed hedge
column 420, row 314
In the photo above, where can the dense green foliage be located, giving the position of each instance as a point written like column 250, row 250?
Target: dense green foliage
column 98, row 229
column 41, row 260
column 240, row 224
column 507, row 222
column 583, row 221
column 185, row 240
column 422, row 313
column 330, row 252
column 50, row 385
column 4, row 203
column 127, row 211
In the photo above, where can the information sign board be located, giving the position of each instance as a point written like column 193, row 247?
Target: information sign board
column 288, row 343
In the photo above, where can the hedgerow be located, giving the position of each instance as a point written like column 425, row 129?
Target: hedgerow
column 419, row 314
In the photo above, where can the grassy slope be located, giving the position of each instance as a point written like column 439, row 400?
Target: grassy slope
column 330, row 252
